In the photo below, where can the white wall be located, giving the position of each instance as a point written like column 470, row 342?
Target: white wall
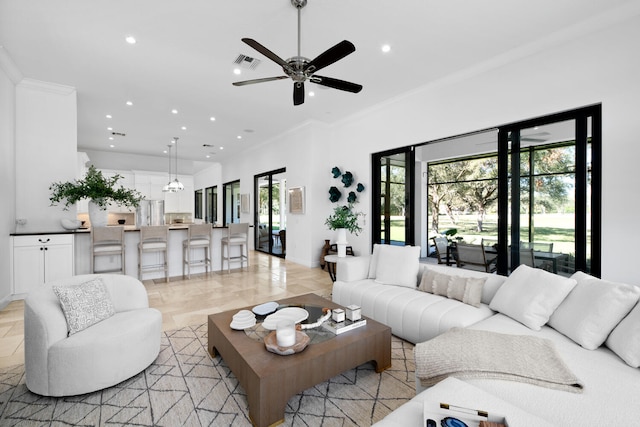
column 601, row 67
column 45, row 150
column 7, row 176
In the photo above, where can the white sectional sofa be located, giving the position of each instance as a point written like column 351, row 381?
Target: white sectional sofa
column 594, row 326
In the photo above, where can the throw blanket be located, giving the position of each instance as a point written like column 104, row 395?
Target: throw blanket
column 473, row 354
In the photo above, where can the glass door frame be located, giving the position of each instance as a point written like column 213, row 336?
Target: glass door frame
column 376, row 179
column 229, row 201
column 509, row 159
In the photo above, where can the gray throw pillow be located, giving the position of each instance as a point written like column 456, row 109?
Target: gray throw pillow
column 85, row 304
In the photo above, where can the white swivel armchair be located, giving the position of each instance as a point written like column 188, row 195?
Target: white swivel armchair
column 97, row 357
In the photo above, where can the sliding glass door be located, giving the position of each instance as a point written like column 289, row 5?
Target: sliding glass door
column 529, row 192
column 551, row 169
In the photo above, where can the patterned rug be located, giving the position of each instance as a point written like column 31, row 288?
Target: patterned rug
column 186, row 387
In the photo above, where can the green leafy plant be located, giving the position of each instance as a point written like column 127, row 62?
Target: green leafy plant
column 96, row 187
column 344, row 217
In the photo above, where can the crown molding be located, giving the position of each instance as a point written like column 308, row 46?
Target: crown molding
column 9, row 67
column 47, row 87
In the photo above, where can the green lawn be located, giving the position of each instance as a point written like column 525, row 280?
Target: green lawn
column 556, row 228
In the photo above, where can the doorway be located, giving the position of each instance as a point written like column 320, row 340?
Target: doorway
column 270, row 212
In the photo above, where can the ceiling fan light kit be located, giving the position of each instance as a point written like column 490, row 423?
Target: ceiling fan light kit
column 301, row 69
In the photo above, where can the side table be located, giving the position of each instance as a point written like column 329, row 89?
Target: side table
column 331, row 261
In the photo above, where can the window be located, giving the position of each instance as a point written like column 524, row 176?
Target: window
column 198, row 204
column 211, row 203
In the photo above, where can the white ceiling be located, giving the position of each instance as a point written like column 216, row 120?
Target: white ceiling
column 184, row 55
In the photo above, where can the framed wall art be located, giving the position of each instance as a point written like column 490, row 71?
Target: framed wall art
column 296, row 200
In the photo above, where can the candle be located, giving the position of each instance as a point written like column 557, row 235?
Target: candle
column 285, row 333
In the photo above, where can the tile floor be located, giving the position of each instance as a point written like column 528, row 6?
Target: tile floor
column 188, row 302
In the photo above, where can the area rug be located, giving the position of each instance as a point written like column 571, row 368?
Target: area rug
column 186, row 387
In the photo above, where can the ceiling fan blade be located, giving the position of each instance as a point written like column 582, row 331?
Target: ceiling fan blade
column 298, row 93
column 330, row 56
column 336, row 84
column 266, row 79
column 266, row 52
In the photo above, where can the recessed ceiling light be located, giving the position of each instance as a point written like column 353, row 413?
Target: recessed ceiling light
column 130, row 39
column 213, row 119
column 312, row 93
column 111, row 146
column 239, row 136
column 222, row 148
column 109, row 128
column 208, row 156
column 129, row 103
column 237, row 71
column 110, row 138
column 174, row 111
column 183, row 128
column 108, row 116
column 386, row 48
column 164, row 151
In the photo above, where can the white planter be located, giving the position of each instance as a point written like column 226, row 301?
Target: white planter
column 341, row 242
column 97, row 215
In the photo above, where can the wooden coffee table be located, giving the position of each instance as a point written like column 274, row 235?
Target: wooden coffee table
column 270, row 380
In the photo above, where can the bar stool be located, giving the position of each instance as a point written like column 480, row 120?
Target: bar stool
column 198, row 237
column 237, row 235
column 153, row 239
column 107, row 241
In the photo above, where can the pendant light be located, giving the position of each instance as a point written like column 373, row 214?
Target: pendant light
column 167, row 188
column 176, row 185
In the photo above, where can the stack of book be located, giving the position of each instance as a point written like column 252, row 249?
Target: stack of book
column 340, row 327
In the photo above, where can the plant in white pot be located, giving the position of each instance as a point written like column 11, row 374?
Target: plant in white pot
column 344, row 218
column 100, row 191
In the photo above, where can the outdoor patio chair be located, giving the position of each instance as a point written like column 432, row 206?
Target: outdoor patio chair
column 473, row 257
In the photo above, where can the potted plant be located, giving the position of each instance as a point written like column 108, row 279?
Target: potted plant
column 344, row 219
column 100, row 190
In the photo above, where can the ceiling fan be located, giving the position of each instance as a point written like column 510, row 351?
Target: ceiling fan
column 301, row 69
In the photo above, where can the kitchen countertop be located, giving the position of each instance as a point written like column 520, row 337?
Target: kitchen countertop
column 87, row 230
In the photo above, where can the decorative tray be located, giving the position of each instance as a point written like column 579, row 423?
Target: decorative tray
column 302, row 340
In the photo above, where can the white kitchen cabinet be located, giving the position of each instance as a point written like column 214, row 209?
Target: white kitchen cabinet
column 41, row 258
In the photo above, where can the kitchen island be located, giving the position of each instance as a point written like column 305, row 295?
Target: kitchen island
column 81, row 248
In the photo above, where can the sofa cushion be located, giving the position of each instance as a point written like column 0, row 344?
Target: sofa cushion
column 531, row 295
column 85, row 304
column 592, row 309
column 624, row 340
column 411, row 314
column 398, row 265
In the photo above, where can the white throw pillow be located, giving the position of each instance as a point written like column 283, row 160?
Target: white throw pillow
column 398, row 265
column 531, row 295
column 592, row 309
column 426, row 282
column 85, row 304
column 624, row 340
column 466, row 289
column 441, row 284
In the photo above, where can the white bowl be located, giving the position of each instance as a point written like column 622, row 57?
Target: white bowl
column 70, row 224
